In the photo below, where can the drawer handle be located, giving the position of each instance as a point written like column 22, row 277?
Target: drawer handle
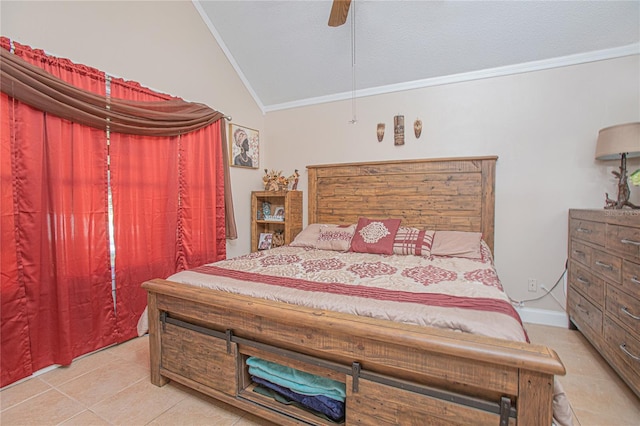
column 584, row 230
column 626, row 351
column 582, row 308
column 579, row 252
column 626, row 311
column 604, row 265
column 635, row 280
column 583, row 281
column 625, row 241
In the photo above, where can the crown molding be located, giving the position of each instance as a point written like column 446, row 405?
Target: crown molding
column 559, row 62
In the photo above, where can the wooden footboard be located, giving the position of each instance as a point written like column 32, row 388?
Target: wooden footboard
column 395, row 373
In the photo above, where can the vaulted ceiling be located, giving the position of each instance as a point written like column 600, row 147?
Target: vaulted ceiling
column 288, row 56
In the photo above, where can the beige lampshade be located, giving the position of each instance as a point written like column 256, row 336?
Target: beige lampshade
column 615, row 140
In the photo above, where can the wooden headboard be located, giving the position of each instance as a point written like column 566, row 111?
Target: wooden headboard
column 455, row 194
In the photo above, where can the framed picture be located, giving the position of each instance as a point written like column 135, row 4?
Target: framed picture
column 264, row 243
column 278, row 212
column 244, row 147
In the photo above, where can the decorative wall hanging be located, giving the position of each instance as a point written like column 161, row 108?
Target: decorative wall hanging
column 398, row 130
column 380, row 131
column 417, row 128
column 244, row 145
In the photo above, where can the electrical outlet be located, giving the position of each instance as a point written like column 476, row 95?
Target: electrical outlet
column 533, row 285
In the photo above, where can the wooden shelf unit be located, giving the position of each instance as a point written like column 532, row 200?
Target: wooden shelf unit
column 290, row 226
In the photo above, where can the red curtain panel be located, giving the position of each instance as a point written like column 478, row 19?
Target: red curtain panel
column 144, row 184
column 201, row 217
column 58, row 185
column 15, row 354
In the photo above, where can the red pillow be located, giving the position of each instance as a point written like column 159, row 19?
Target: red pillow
column 375, row 235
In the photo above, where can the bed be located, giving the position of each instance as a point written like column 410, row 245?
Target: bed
column 421, row 361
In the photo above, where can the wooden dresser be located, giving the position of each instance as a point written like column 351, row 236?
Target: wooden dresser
column 604, row 285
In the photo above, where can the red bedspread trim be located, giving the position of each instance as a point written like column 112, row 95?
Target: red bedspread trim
column 430, row 299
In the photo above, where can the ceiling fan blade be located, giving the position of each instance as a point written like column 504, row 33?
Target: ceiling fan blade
column 339, row 12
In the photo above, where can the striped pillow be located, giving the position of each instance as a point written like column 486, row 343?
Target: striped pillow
column 413, row 241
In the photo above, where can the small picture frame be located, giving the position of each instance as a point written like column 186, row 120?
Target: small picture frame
column 278, row 212
column 244, row 147
column 264, row 243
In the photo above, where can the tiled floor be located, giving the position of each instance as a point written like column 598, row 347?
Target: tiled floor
column 112, row 387
column 597, row 395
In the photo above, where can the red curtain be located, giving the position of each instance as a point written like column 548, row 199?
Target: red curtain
column 144, row 185
column 14, row 328
column 58, row 212
column 201, row 226
column 168, row 203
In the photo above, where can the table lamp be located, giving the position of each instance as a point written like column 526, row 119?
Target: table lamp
column 620, row 141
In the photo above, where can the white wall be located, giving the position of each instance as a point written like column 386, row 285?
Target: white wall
column 163, row 45
column 542, row 125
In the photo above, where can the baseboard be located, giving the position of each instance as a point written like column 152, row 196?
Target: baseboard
column 544, row 317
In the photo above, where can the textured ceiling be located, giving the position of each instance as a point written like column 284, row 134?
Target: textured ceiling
column 287, row 54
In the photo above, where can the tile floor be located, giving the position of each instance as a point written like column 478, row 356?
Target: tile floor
column 111, row 387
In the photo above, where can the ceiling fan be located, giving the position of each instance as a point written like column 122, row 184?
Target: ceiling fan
column 339, row 12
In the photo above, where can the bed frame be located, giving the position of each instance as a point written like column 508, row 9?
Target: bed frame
column 395, row 374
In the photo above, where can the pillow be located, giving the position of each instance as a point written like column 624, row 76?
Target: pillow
column 375, row 235
column 413, row 241
column 308, row 237
column 457, row 244
column 333, row 237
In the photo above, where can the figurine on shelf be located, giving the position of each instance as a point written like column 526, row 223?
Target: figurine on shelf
column 278, row 239
column 266, row 209
column 295, row 177
column 274, row 180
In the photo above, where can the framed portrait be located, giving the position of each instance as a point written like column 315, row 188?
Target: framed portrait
column 264, row 243
column 244, row 146
column 278, row 213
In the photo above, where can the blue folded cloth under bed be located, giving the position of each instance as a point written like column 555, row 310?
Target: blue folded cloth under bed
column 331, row 408
column 296, row 380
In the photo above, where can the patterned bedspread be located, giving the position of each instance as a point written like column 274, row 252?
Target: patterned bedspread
column 446, row 292
column 454, row 293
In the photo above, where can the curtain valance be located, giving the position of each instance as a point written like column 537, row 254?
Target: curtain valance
column 39, row 89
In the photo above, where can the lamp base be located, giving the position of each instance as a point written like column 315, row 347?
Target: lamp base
column 623, row 188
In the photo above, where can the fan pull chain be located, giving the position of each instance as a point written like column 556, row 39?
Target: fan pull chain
column 354, row 118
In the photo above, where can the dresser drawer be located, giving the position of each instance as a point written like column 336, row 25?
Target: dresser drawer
column 586, row 230
column 624, row 239
column 625, row 351
column 586, row 283
column 607, row 265
column 631, row 278
column 580, row 252
column 624, row 307
column 585, row 315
